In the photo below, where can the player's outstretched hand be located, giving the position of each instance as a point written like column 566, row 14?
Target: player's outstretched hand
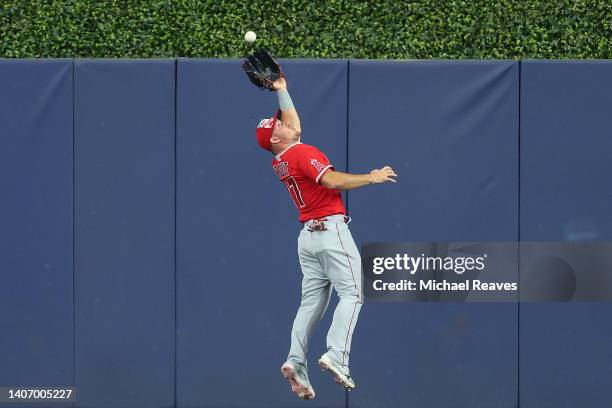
column 383, row 175
column 280, row 84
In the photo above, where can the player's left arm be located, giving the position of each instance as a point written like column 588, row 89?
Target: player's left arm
column 316, row 166
column 337, row 180
column 290, row 115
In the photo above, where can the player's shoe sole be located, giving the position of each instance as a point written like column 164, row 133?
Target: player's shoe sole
column 301, row 390
column 327, row 364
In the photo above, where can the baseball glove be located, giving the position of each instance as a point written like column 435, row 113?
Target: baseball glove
column 262, row 69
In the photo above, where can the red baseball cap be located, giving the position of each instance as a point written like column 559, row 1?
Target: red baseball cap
column 265, row 129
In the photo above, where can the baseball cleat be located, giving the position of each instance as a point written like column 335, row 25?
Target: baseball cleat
column 298, row 379
column 341, row 374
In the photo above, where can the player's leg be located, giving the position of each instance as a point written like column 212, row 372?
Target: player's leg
column 343, row 265
column 316, row 292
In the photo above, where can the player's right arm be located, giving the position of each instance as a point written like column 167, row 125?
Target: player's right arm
column 290, row 115
column 337, row 180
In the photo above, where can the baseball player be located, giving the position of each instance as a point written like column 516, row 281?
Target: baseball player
column 327, row 253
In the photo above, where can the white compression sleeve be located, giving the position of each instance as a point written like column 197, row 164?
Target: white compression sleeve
column 284, row 100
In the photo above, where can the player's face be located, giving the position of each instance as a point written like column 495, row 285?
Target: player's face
column 285, row 132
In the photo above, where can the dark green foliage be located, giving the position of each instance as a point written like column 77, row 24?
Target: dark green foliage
column 307, row 28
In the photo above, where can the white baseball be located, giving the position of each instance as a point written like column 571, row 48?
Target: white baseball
column 250, row 36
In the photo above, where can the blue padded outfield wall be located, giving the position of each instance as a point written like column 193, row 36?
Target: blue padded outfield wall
column 124, row 233
column 238, row 277
column 450, row 132
column 566, row 195
column 149, row 253
column 36, row 108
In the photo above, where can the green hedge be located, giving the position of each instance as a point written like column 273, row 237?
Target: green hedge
column 303, row 28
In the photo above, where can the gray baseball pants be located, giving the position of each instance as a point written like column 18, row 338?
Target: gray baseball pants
column 328, row 259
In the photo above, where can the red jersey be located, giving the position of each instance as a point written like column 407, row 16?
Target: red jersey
column 301, row 167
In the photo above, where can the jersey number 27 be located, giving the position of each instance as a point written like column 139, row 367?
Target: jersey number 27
column 294, row 191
